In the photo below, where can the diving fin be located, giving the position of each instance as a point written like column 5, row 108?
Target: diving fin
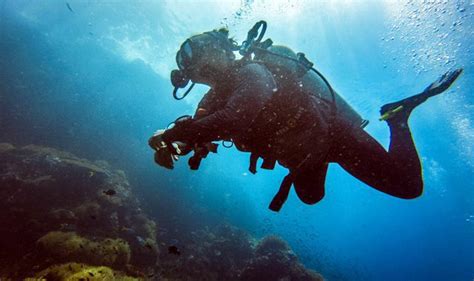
column 405, row 106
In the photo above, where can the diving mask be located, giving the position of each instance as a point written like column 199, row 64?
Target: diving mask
column 190, row 52
column 185, row 59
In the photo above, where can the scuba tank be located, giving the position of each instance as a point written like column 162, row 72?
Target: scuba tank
column 290, row 71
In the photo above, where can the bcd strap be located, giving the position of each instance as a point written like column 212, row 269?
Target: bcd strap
column 253, row 163
column 201, row 152
column 282, row 194
column 268, row 163
column 194, row 162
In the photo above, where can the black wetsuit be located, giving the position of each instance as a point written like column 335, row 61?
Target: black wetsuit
column 295, row 123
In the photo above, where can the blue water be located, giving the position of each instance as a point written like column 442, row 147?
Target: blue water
column 94, row 80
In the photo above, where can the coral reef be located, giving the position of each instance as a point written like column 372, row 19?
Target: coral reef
column 59, row 208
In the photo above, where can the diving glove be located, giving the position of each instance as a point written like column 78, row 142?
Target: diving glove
column 165, row 154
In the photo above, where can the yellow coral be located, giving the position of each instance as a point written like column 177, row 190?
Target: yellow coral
column 77, row 271
column 68, row 246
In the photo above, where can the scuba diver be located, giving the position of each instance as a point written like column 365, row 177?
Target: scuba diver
column 274, row 104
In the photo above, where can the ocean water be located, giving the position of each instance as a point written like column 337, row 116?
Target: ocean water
column 92, row 78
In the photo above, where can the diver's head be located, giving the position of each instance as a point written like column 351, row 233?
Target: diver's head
column 205, row 58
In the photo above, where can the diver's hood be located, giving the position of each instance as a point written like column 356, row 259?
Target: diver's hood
column 190, row 51
column 192, row 48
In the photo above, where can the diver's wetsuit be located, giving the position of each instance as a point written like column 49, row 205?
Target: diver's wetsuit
column 234, row 103
column 296, row 125
column 396, row 172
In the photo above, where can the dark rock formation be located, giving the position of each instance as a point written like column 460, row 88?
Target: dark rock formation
column 228, row 253
column 274, row 260
column 58, row 208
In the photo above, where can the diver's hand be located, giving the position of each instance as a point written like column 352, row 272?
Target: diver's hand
column 444, row 82
column 165, row 158
column 164, row 154
column 156, row 141
column 178, row 148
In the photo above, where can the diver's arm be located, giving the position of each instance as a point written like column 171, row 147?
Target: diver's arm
column 250, row 96
column 205, row 105
column 210, row 102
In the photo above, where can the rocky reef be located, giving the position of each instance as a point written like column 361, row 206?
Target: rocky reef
column 67, row 218
column 77, row 271
column 229, row 253
column 58, row 208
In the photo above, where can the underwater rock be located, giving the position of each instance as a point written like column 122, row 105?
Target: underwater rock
column 273, row 245
column 274, row 260
column 78, row 271
column 144, row 225
column 61, row 221
column 54, row 203
column 68, row 246
column 5, row 147
column 229, row 253
column 207, row 254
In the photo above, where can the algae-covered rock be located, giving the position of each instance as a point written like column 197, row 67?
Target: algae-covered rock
column 57, row 207
column 229, row 253
column 68, row 246
column 67, row 218
column 5, row 147
column 81, row 272
column 272, row 244
column 212, row 254
column 145, row 225
column 274, row 260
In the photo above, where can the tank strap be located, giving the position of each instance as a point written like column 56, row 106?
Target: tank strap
column 253, row 163
column 280, row 198
column 268, row 163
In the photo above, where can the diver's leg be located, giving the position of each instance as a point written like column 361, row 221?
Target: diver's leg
column 309, row 183
column 398, row 171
